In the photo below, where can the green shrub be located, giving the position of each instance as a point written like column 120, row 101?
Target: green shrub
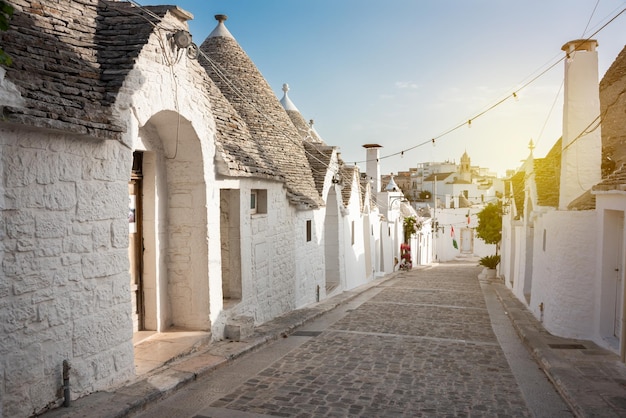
column 490, row 261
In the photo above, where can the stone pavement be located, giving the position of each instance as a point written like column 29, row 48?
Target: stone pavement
column 591, row 380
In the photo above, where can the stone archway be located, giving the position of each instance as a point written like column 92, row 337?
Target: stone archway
column 176, row 290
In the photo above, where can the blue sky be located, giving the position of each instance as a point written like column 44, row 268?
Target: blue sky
column 401, row 72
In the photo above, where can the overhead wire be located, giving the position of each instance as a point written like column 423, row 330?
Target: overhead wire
column 468, row 121
column 221, row 74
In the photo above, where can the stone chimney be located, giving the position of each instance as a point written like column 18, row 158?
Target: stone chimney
column 581, row 158
column 372, row 167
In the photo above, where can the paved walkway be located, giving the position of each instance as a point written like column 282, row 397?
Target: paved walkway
column 591, row 380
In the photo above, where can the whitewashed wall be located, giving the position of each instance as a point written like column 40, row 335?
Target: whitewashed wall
column 563, row 276
column 65, row 289
column 309, row 257
column 65, row 253
column 356, row 272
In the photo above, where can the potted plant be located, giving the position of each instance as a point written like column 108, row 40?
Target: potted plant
column 490, row 262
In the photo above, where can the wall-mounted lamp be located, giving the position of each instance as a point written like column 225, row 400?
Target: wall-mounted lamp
column 181, row 39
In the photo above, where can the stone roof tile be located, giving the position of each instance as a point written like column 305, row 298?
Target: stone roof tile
column 319, row 159
column 518, row 183
column 548, row 177
column 242, row 84
column 586, row 201
column 234, row 145
column 70, row 59
column 348, row 175
column 615, row 181
column 613, row 109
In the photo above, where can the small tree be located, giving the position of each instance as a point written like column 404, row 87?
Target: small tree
column 6, row 11
column 489, row 227
column 409, row 228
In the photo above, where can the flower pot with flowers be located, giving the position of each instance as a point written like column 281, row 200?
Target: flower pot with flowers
column 405, row 257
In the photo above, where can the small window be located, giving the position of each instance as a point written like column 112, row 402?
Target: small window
column 258, row 201
column 352, row 231
column 253, row 200
column 308, row 230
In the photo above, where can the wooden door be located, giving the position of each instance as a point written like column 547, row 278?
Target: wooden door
column 135, row 249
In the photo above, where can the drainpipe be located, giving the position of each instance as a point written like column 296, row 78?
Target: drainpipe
column 66, row 383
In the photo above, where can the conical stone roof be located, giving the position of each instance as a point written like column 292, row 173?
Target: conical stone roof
column 306, row 131
column 270, row 128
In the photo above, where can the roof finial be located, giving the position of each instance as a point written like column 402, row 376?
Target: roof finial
column 221, row 30
column 285, row 101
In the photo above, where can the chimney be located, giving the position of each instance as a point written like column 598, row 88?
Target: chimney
column 372, row 167
column 581, row 157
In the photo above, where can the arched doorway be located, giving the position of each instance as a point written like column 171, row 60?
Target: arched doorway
column 174, row 225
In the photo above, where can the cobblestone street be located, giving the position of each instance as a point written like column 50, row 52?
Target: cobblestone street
column 422, row 346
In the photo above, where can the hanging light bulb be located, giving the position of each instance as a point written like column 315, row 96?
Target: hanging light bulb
column 515, row 96
column 469, row 123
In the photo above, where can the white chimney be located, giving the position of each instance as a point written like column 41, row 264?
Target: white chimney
column 372, row 167
column 582, row 141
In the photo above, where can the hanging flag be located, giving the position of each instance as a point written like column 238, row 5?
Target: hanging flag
column 454, row 244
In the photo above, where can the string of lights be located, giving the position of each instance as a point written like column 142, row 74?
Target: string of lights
column 250, row 101
column 514, row 95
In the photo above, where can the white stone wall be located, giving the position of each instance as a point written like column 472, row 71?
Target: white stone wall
column 563, row 276
column 267, row 254
column 64, row 293
column 309, row 257
column 355, row 265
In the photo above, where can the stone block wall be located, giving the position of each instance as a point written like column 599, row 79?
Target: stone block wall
column 64, row 293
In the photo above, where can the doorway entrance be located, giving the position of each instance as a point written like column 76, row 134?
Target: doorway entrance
column 612, row 320
column 135, row 242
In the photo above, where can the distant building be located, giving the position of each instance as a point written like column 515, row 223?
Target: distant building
column 448, row 184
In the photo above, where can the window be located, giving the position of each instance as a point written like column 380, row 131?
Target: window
column 308, row 230
column 258, row 201
column 352, row 230
column 253, row 199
